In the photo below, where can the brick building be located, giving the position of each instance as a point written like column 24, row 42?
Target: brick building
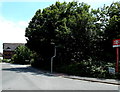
column 9, row 48
column 1, row 54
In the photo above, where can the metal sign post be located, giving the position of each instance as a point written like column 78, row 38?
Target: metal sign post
column 52, row 59
column 116, row 43
column 117, row 59
column 52, row 64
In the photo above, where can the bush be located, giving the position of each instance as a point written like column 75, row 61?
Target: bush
column 118, row 76
column 0, row 60
column 22, row 55
column 34, row 60
column 89, row 69
column 79, row 69
column 6, row 60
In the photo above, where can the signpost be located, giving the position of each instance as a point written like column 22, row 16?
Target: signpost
column 116, row 44
column 52, row 59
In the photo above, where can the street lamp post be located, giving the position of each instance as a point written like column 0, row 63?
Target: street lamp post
column 52, row 59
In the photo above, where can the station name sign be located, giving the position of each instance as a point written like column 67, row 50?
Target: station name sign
column 116, row 43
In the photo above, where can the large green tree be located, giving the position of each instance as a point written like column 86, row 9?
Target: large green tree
column 67, row 25
column 112, row 30
column 82, row 36
column 80, row 33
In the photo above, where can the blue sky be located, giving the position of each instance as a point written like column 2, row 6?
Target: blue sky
column 16, row 14
column 16, row 11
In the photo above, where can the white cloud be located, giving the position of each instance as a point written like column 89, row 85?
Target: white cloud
column 23, row 24
column 12, row 32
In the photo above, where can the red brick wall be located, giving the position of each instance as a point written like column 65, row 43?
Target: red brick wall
column 8, row 54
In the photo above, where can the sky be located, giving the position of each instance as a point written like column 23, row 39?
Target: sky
column 16, row 14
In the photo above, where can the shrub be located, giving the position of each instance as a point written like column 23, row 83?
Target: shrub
column 22, row 55
column 0, row 60
column 94, row 69
column 6, row 60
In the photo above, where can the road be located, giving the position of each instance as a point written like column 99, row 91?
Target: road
column 20, row 77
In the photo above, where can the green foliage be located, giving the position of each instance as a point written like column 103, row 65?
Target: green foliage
column 0, row 60
column 22, row 55
column 88, row 69
column 65, row 25
column 6, row 60
column 112, row 30
column 80, row 34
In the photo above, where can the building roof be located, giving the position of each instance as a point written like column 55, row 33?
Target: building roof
column 11, row 46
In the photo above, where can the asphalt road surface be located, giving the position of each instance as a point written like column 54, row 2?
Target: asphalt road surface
column 20, row 77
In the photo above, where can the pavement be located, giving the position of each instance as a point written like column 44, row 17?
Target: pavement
column 107, row 81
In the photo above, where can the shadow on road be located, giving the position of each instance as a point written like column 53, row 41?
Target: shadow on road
column 31, row 70
column 34, row 71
